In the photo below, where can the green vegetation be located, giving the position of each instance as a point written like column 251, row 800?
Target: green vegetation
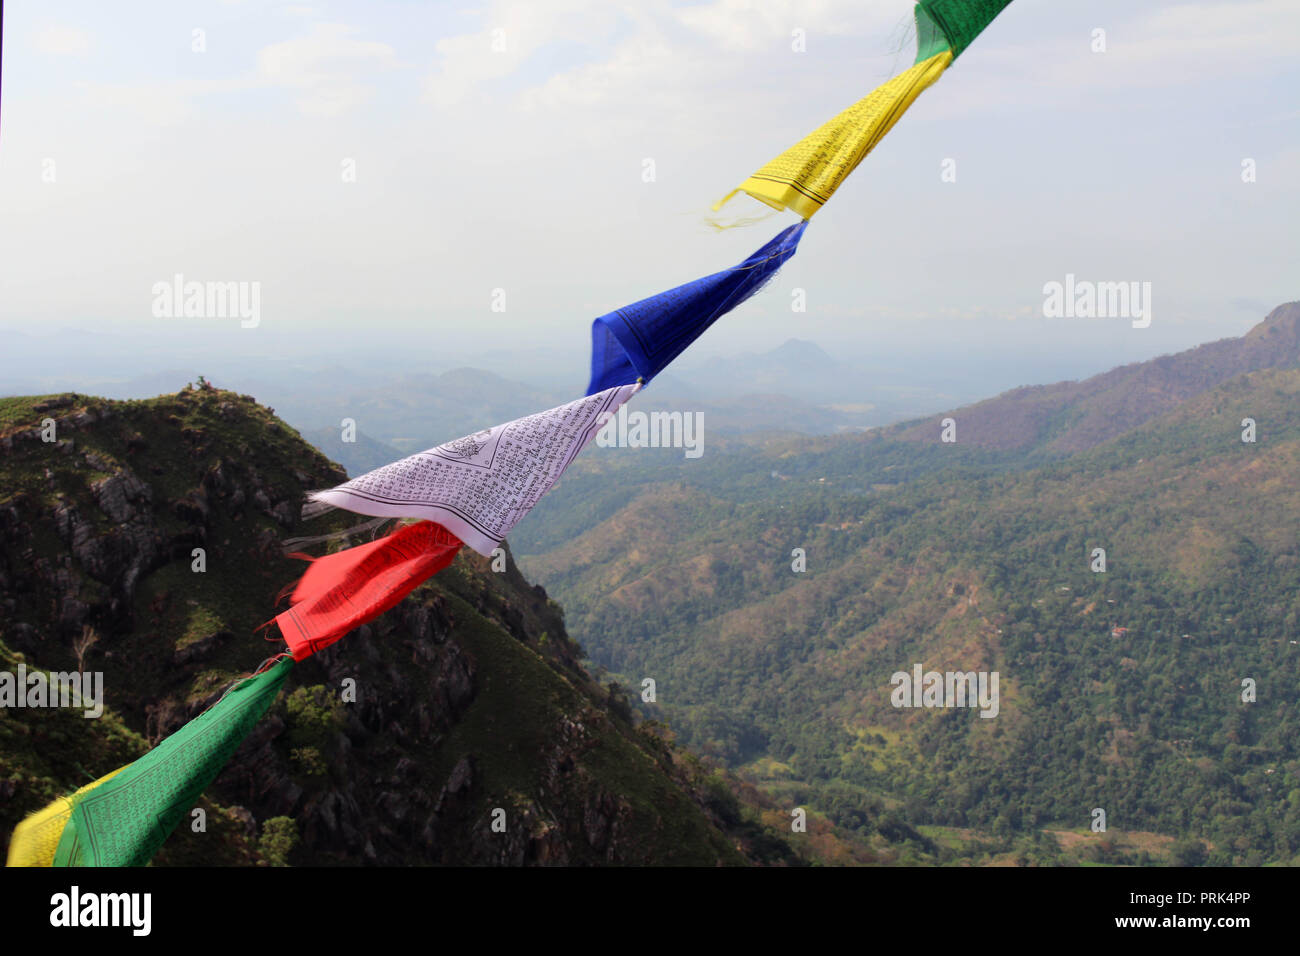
column 979, row 563
column 279, row 838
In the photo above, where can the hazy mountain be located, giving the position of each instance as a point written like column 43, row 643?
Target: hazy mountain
column 358, row 456
column 797, row 367
column 1071, row 416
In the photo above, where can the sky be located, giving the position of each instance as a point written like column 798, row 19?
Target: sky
column 387, row 171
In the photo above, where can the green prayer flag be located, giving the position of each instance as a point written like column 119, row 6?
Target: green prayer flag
column 125, row 820
column 958, row 22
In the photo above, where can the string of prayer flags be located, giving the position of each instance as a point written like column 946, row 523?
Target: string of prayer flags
column 344, row 590
column 639, row 340
column 480, row 486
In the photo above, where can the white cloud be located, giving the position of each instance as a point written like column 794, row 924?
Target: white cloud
column 154, row 104
column 59, row 40
column 162, row 104
column 512, row 32
column 326, row 67
column 1190, row 41
column 752, row 25
column 639, row 65
column 647, row 51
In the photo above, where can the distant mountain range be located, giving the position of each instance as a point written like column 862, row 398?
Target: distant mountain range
column 794, row 388
column 410, row 414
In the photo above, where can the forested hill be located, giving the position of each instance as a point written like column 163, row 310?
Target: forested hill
column 1120, row 689
column 469, row 694
column 1073, row 416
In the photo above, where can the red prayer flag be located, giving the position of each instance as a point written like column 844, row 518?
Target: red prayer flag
column 344, row 590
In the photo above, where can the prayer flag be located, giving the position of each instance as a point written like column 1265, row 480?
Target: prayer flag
column 480, row 486
column 806, row 175
column 127, row 816
column 639, row 340
column 954, row 23
column 344, row 590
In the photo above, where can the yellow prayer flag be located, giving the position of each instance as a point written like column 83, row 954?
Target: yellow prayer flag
column 37, row 837
column 805, row 176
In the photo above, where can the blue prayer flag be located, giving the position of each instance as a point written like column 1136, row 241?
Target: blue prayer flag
column 639, row 340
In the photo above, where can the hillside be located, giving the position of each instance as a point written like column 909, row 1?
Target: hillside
column 358, row 456
column 1068, row 417
column 980, row 563
column 469, row 694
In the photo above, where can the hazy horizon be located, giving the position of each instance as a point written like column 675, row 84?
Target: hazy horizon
column 318, row 151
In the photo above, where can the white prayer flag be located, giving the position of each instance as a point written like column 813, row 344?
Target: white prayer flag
column 480, row 486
